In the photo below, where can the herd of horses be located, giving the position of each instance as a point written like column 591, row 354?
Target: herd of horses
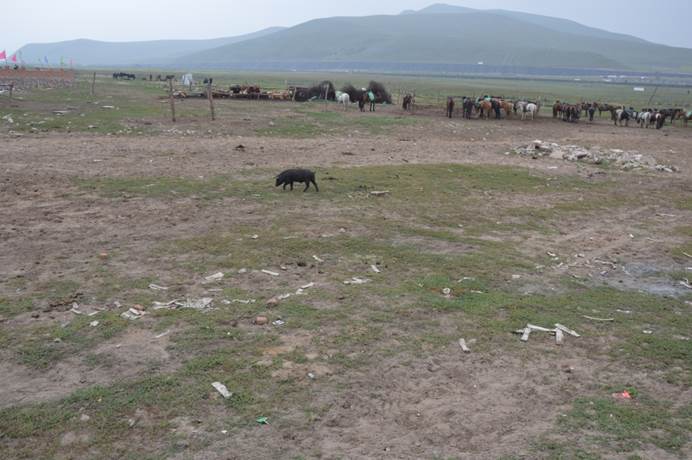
column 488, row 106
column 619, row 114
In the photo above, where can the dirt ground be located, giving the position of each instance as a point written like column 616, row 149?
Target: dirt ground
column 65, row 239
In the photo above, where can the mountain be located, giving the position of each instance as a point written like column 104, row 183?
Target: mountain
column 556, row 24
column 144, row 53
column 443, row 35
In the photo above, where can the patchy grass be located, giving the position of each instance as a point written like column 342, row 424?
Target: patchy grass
column 626, row 426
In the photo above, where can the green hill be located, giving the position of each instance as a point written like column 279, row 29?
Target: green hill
column 144, row 53
column 444, row 34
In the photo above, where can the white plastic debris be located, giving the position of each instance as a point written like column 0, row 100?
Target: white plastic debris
column 132, row 314
column 269, row 272
column 215, row 277
column 156, row 287
column 163, row 334
column 221, row 388
column 279, row 322
column 196, row 304
column 317, row 259
column 375, row 269
column 355, row 280
column 94, row 323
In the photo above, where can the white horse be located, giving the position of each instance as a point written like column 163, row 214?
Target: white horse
column 644, row 119
column 620, row 116
column 344, row 99
column 531, row 109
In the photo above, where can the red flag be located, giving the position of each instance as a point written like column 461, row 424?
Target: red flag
column 14, row 57
column 3, row 55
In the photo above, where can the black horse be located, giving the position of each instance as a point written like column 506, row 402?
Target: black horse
column 450, row 107
column 468, row 106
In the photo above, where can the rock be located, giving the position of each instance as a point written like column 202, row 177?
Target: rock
column 261, row 321
column 273, row 302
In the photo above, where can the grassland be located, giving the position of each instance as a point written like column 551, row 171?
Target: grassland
column 356, row 370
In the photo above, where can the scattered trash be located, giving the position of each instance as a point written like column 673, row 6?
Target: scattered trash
column 605, row 320
column 221, row 388
column 163, row 334
column 268, row 272
column 374, row 268
column 380, row 193
column 566, row 330
column 284, row 296
column 624, row 312
column 464, row 348
column 355, row 280
column 648, row 332
column 622, row 395
column 156, row 287
column 94, row 323
column 196, row 304
column 686, row 283
column 243, row 301
column 263, row 420
column 318, row 259
column 224, row 431
column 447, row 292
column 559, row 332
column 242, row 271
column 133, row 314
column 261, row 321
column 254, row 237
column 279, row 322
column 307, row 286
column 215, row 277
column 311, row 376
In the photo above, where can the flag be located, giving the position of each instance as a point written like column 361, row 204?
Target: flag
column 3, row 55
column 14, row 57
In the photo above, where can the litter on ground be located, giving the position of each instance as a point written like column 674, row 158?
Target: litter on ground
column 221, row 388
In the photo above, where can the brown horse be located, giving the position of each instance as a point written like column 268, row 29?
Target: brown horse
column 485, row 107
column 557, row 109
column 508, row 107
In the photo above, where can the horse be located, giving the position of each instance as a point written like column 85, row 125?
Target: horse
column 344, row 99
column 644, row 119
column 571, row 113
column 685, row 116
column 557, row 109
column 508, row 107
column 622, row 115
column 531, row 109
column 468, row 106
column 484, row 107
column 408, row 102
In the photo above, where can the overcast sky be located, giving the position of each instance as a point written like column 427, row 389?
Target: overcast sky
column 43, row 21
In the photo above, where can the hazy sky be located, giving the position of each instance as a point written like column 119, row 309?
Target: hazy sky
column 34, row 21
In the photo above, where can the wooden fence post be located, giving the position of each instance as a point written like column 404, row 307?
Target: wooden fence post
column 170, row 93
column 11, row 88
column 211, row 101
column 93, row 83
